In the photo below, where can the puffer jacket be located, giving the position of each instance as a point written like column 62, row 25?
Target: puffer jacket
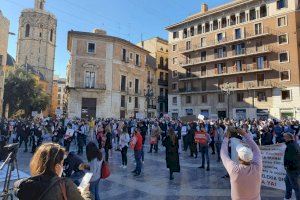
column 32, row 188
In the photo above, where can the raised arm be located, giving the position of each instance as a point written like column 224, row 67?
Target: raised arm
column 257, row 159
column 227, row 162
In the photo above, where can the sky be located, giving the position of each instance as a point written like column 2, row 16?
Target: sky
column 132, row 20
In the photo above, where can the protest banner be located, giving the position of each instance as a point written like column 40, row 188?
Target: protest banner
column 273, row 169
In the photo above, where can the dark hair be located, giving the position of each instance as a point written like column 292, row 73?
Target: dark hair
column 45, row 159
column 93, row 152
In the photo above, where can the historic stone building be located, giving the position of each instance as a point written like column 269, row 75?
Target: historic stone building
column 239, row 60
column 37, row 41
column 106, row 76
column 4, row 31
column 158, row 49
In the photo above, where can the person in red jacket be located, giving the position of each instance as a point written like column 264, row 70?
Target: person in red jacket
column 138, row 152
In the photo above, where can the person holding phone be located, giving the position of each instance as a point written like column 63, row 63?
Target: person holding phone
column 247, row 172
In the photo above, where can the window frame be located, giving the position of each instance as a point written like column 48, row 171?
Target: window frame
column 287, row 39
column 286, row 20
column 280, row 76
column 288, row 57
column 87, row 48
column 290, row 92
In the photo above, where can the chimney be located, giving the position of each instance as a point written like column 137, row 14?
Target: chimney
column 99, row 31
column 204, row 8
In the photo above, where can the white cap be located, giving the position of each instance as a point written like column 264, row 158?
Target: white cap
column 244, row 153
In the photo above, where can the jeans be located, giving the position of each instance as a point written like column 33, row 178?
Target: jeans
column 124, row 155
column 106, row 154
column 218, row 147
column 138, row 160
column 94, row 189
column 292, row 181
column 204, row 154
column 25, row 140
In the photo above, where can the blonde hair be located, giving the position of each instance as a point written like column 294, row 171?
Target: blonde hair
column 45, row 159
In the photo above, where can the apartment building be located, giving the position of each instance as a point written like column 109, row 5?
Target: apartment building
column 106, row 76
column 58, row 103
column 158, row 49
column 237, row 60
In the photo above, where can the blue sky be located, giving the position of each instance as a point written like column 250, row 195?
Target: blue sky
column 128, row 19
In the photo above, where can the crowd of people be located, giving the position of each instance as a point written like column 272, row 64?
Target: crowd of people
column 47, row 137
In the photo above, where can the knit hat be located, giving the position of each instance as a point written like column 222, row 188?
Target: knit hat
column 244, row 153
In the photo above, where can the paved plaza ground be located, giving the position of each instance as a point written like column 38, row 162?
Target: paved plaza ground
column 154, row 184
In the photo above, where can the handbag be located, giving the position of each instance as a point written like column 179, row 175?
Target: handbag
column 105, row 172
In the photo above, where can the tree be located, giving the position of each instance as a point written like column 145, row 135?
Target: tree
column 22, row 92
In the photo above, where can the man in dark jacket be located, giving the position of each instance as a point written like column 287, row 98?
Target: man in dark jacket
column 72, row 170
column 292, row 166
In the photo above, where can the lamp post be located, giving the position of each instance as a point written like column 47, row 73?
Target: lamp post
column 227, row 89
column 149, row 95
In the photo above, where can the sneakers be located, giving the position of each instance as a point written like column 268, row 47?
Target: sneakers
column 124, row 166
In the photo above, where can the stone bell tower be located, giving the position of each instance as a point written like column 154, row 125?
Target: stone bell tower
column 37, row 42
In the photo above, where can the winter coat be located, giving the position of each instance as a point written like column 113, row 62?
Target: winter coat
column 292, row 156
column 172, row 156
column 32, row 188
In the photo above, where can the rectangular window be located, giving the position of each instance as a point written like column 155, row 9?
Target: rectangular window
column 238, row 65
column 192, row 31
column 281, row 21
column 238, row 49
column 124, row 55
column 203, row 56
column 221, row 98
column 199, row 29
column 258, row 29
column 252, row 14
column 174, row 47
column 185, row 35
column 283, row 57
column 220, row 37
column 123, row 104
column 136, row 86
column 131, row 56
column 285, row 75
column 175, row 74
column 91, row 47
column 203, row 71
column 175, row 34
column 281, row 4
column 239, row 97
column 136, row 102
column 137, row 60
column 261, row 96
column 89, row 79
column 188, row 45
column 260, row 80
column 282, row 39
column 204, row 98
column 203, row 85
column 174, row 86
column 285, row 95
column 238, row 33
column 174, row 100
column 260, row 62
column 175, row 60
column 188, row 99
column 202, row 42
column 123, row 83
column 242, row 17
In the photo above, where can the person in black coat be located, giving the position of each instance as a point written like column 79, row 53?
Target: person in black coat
column 172, row 156
column 72, row 169
column 292, row 166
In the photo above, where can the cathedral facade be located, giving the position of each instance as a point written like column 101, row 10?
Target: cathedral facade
column 37, row 42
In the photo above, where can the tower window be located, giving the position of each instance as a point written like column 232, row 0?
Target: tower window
column 27, row 31
column 51, row 35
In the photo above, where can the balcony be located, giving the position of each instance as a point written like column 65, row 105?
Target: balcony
column 162, row 98
column 228, row 40
column 162, row 82
column 163, row 67
column 98, row 87
column 227, row 56
column 249, row 68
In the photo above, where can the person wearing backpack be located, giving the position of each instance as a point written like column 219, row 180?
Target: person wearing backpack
column 45, row 183
column 203, row 139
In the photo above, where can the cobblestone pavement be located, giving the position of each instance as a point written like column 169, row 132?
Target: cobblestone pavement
column 191, row 183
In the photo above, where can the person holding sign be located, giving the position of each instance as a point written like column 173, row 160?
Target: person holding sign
column 245, row 175
column 203, row 139
column 292, row 166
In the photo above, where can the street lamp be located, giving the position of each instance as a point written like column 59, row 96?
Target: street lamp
column 228, row 89
column 148, row 95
